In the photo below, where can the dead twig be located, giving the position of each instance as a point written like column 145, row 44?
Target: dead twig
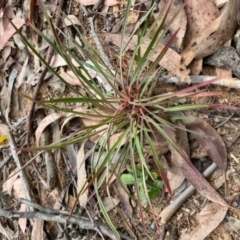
column 48, row 214
column 226, row 82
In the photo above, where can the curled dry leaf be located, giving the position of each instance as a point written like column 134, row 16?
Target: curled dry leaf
column 210, row 217
column 70, row 77
column 44, row 123
column 210, row 39
column 209, row 139
column 170, row 61
column 10, row 30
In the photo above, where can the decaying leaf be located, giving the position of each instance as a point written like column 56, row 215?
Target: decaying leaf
column 71, row 20
column 209, row 138
column 210, row 217
column 124, row 197
column 198, row 19
column 10, row 30
column 193, row 175
column 174, row 173
column 214, row 36
column 45, row 122
column 110, row 203
column 19, row 192
column 8, row 184
column 37, row 230
column 232, row 224
column 70, row 77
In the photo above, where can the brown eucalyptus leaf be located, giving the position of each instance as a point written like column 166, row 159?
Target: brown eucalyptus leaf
column 196, row 178
column 175, row 175
column 209, row 139
column 209, row 218
column 191, row 173
column 211, row 38
column 198, row 18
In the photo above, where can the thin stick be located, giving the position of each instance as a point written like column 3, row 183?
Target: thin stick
column 60, row 216
column 226, row 82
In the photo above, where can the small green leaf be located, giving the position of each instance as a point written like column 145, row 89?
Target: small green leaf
column 154, row 175
column 127, row 178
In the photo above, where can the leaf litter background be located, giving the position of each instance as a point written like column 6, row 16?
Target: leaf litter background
column 196, row 56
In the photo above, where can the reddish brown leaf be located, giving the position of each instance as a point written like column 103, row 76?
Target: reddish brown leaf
column 209, row 139
column 175, row 175
column 196, row 178
column 192, row 174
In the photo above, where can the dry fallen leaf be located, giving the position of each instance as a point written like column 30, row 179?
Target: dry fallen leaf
column 193, row 175
column 110, row 203
column 19, row 192
column 37, row 230
column 177, row 12
column 88, row 2
column 70, row 77
column 209, row 139
column 8, row 184
column 211, row 38
column 210, row 217
column 198, row 18
column 44, row 123
column 110, row 2
column 71, row 20
column 10, row 30
column 81, row 176
column 174, row 173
